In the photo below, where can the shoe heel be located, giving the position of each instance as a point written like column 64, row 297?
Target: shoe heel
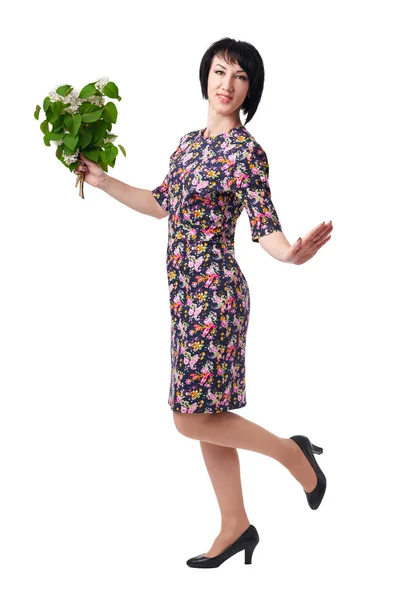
column 248, row 554
column 316, row 449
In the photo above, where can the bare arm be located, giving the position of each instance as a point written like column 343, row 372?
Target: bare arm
column 138, row 199
column 275, row 244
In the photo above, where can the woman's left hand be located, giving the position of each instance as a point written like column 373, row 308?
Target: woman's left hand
column 305, row 248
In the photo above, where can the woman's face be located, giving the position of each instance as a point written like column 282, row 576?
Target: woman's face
column 226, row 80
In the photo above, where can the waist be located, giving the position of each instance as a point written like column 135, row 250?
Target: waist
column 198, row 243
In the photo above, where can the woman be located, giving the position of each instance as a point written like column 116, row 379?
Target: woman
column 213, row 174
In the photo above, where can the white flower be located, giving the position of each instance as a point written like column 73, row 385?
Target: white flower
column 73, row 96
column 57, row 142
column 54, row 97
column 72, row 109
column 98, row 100
column 111, row 139
column 101, row 83
column 70, row 158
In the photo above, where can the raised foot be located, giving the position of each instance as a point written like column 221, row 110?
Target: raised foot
column 301, row 468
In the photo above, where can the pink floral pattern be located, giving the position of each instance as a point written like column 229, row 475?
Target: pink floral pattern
column 209, row 182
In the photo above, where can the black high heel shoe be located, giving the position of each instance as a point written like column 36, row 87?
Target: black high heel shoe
column 247, row 541
column 314, row 497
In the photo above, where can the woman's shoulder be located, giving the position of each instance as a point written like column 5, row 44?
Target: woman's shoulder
column 188, row 137
column 250, row 150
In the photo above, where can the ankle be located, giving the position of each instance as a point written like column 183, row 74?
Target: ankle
column 235, row 524
column 292, row 455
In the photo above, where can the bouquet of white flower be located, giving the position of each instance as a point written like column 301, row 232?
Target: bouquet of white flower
column 80, row 122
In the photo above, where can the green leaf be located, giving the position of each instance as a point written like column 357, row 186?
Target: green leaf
column 98, row 130
column 122, row 149
column 86, row 107
column 57, row 108
column 51, row 117
column 107, row 124
column 76, row 123
column 72, row 123
column 91, row 117
column 37, row 112
column 110, row 90
column 110, row 112
column 64, row 90
column 46, row 103
column 44, row 127
column 109, row 154
column 70, row 141
column 85, row 137
column 68, row 123
column 46, row 140
column 58, row 124
column 67, row 150
column 91, row 154
column 87, row 91
column 56, row 136
column 98, row 142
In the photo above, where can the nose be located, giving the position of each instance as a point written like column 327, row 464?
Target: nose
column 228, row 91
column 228, row 87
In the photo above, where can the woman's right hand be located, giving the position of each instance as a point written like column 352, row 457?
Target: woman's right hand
column 93, row 173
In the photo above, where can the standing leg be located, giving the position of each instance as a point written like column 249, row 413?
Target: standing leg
column 223, row 467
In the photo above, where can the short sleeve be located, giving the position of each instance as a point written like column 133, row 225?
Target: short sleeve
column 161, row 193
column 252, row 187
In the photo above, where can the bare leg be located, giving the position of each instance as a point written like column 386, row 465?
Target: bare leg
column 231, row 430
column 223, row 467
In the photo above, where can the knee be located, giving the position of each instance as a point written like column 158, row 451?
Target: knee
column 189, row 424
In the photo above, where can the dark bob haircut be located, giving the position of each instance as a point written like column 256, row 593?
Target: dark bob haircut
column 249, row 60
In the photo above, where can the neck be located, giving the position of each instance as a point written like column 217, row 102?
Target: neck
column 210, row 131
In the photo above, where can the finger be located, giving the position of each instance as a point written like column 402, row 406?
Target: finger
column 319, row 239
column 316, row 231
column 325, row 227
column 316, row 236
column 324, row 242
column 313, row 235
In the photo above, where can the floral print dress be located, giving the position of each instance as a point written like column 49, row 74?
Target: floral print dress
column 210, row 181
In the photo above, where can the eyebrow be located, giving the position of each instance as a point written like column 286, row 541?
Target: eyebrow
column 238, row 71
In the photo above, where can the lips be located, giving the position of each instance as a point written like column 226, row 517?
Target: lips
column 224, row 98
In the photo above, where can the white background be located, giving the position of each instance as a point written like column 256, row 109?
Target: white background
column 100, row 496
